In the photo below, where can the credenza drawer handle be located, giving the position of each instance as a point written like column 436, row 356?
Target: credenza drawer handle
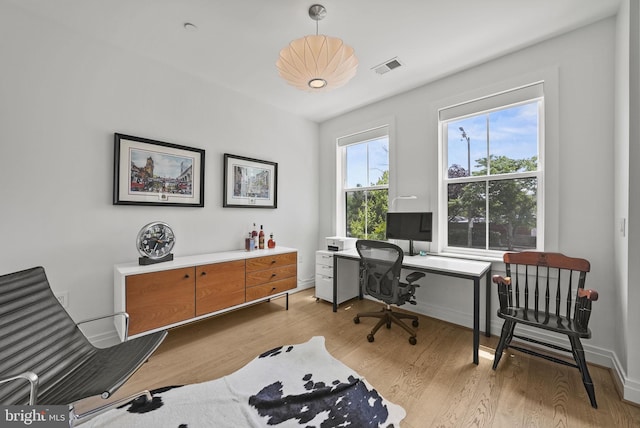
column 186, row 275
column 203, row 273
column 273, row 261
column 273, row 289
column 273, row 274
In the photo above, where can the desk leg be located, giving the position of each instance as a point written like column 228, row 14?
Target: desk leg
column 335, row 284
column 476, row 319
column 487, row 303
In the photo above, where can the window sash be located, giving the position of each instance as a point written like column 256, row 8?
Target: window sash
column 343, row 143
column 484, row 105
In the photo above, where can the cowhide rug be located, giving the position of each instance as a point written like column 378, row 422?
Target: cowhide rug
column 290, row 386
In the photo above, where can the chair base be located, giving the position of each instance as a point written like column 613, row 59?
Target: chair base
column 80, row 418
column 388, row 317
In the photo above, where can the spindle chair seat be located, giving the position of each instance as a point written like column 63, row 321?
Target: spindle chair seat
column 546, row 291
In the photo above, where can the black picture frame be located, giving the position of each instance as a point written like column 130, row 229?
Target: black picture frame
column 249, row 183
column 157, row 173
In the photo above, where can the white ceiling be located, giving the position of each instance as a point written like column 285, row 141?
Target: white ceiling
column 237, row 41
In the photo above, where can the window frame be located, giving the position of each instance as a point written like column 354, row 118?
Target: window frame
column 360, row 137
column 525, row 94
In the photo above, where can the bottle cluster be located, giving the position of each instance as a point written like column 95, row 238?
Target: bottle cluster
column 256, row 240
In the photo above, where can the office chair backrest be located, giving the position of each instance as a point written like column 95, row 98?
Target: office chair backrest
column 36, row 333
column 380, row 268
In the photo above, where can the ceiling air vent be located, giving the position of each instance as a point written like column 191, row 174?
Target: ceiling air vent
column 387, row 66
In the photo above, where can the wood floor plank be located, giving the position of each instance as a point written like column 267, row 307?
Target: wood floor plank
column 435, row 381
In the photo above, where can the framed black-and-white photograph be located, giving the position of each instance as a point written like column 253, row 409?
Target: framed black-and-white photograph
column 249, row 183
column 150, row 172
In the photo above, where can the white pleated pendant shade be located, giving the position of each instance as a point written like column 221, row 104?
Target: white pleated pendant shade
column 317, row 63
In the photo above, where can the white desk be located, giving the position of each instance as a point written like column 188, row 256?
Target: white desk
column 448, row 266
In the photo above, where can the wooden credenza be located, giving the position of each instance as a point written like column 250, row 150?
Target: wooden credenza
column 191, row 288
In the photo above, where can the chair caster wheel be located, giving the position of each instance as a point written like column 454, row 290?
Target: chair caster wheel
column 356, row 320
column 370, row 337
column 412, row 340
column 415, row 323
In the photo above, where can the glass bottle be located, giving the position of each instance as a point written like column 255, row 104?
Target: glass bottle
column 254, row 236
column 271, row 243
column 261, row 238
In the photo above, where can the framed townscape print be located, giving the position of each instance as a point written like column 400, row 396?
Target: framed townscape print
column 249, row 183
column 149, row 172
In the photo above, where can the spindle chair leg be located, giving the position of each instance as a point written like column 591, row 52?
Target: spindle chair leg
column 505, row 339
column 578, row 355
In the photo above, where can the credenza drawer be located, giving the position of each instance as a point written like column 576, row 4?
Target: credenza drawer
column 271, row 288
column 267, row 262
column 270, row 275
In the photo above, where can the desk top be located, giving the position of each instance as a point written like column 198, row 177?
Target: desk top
column 434, row 263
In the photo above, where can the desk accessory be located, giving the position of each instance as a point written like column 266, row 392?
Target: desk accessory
column 155, row 242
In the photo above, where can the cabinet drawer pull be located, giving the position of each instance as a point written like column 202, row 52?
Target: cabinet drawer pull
column 273, row 289
column 186, row 275
column 273, row 261
column 203, row 273
column 273, row 274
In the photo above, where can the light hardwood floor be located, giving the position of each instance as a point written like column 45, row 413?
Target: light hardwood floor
column 435, row 381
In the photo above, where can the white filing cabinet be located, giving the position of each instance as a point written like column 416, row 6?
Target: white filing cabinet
column 348, row 285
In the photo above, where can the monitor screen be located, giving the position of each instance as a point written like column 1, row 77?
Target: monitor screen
column 409, row 226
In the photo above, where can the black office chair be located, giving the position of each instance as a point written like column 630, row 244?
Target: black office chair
column 46, row 360
column 380, row 267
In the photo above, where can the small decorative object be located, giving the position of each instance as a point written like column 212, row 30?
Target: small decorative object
column 249, row 183
column 249, row 243
column 149, row 172
column 155, row 242
column 271, row 243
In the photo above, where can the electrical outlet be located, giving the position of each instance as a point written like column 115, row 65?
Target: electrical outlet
column 63, row 298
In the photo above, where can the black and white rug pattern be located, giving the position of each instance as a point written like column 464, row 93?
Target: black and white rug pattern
column 290, row 386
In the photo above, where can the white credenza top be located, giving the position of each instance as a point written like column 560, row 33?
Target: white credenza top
column 134, row 268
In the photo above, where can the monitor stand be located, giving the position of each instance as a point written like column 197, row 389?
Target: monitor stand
column 411, row 251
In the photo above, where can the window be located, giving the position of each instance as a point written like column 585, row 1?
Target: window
column 364, row 177
column 492, row 184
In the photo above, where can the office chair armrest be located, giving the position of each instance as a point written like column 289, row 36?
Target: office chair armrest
column 32, row 378
column 124, row 314
column 414, row 276
column 589, row 294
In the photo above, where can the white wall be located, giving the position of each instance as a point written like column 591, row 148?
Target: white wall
column 61, row 99
column 579, row 159
column 627, row 198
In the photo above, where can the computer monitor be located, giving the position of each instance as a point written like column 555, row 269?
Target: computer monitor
column 412, row 226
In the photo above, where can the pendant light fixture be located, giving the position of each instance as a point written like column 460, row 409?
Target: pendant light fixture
column 317, row 63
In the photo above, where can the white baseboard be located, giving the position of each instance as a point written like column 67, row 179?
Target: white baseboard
column 629, row 388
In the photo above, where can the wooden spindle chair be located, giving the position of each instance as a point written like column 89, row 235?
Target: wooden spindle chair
column 527, row 296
